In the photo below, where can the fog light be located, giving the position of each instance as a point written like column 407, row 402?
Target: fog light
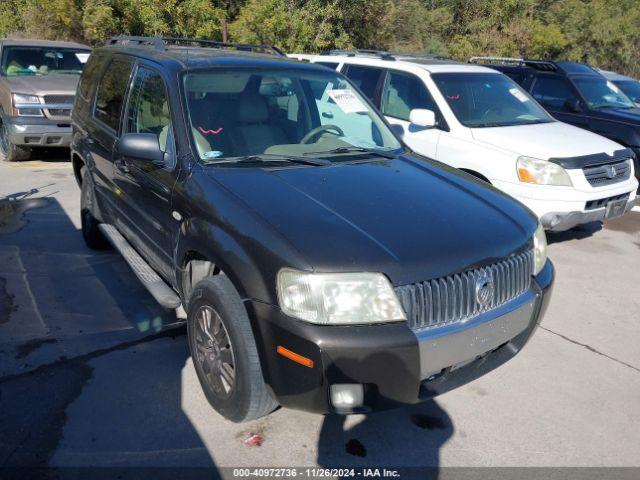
column 347, row 395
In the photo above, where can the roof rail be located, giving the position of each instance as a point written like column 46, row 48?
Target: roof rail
column 163, row 43
column 537, row 64
column 361, row 52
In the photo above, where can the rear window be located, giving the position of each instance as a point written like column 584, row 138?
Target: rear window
column 365, row 78
column 330, row 65
column 88, row 78
column 111, row 92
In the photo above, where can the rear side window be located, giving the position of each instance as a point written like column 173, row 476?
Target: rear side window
column 111, row 92
column 402, row 93
column 365, row 78
column 553, row 93
column 330, row 65
column 88, row 78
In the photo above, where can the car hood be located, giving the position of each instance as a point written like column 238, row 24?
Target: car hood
column 546, row 140
column 407, row 218
column 43, row 84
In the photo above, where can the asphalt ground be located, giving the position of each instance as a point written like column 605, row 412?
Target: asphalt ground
column 93, row 373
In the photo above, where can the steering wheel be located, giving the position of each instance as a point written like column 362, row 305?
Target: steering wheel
column 313, row 133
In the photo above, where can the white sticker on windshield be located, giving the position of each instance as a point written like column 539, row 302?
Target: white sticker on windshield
column 83, row 57
column 347, row 101
column 518, row 94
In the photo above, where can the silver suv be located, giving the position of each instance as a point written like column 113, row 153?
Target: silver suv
column 38, row 80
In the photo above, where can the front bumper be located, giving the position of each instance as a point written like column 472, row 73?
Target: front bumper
column 396, row 365
column 560, row 221
column 38, row 131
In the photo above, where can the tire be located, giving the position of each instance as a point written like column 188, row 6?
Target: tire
column 226, row 359
column 90, row 232
column 9, row 152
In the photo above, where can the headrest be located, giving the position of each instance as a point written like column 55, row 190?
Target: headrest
column 252, row 109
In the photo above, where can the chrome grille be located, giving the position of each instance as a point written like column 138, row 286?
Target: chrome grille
column 452, row 299
column 59, row 112
column 607, row 174
column 58, row 98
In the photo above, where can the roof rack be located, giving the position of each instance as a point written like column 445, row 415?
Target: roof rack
column 162, row 44
column 361, row 52
column 522, row 62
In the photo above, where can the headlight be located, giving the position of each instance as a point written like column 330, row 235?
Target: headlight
column 22, row 98
column 539, row 249
column 338, row 298
column 542, row 172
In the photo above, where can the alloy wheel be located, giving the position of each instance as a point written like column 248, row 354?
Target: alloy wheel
column 214, row 352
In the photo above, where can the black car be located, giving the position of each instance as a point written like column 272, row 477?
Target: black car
column 322, row 265
column 578, row 94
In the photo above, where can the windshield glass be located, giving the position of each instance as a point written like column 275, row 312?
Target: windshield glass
column 42, row 61
column 631, row 88
column 246, row 112
column 488, row 100
column 601, row 93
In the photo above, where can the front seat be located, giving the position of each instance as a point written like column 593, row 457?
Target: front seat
column 255, row 132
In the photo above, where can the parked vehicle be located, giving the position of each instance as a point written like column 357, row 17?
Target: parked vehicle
column 630, row 86
column 478, row 120
column 38, row 81
column 321, row 265
column 576, row 93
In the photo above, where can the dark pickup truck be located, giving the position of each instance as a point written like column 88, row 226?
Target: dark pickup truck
column 321, row 264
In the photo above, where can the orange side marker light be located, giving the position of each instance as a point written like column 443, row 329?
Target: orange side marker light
column 307, row 362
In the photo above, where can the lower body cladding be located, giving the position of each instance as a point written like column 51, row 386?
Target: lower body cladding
column 359, row 369
column 38, row 132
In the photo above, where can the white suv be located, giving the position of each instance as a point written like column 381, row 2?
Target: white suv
column 480, row 121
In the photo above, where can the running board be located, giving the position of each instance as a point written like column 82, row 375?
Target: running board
column 157, row 287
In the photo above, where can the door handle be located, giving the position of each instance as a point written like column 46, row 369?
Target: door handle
column 327, row 115
column 122, row 166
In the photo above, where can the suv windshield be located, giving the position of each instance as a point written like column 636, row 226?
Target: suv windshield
column 488, row 100
column 631, row 88
column 601, row 93
column 42, row 60
column 240, row 113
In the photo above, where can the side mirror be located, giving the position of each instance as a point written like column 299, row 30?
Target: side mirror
column 141, row 146
column 573, row 105
column 422, row 117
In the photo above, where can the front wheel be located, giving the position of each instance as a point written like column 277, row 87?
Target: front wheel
column 224, row 352
column 10, row 152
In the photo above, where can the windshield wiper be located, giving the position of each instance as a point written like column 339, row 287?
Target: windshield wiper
column 373, row 151
column 267, row 157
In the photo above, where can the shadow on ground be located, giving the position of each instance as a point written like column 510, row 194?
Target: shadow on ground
column 577, row 233
column 90, row 365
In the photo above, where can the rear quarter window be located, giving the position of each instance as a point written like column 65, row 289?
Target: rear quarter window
column 89, row 77
column 111, row 92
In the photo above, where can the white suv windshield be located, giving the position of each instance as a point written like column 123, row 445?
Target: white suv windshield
column 488, row 100
column 247, row 112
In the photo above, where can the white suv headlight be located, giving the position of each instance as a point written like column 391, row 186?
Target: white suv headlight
column 542, row 172
column 539, row 249
column 338, row 298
